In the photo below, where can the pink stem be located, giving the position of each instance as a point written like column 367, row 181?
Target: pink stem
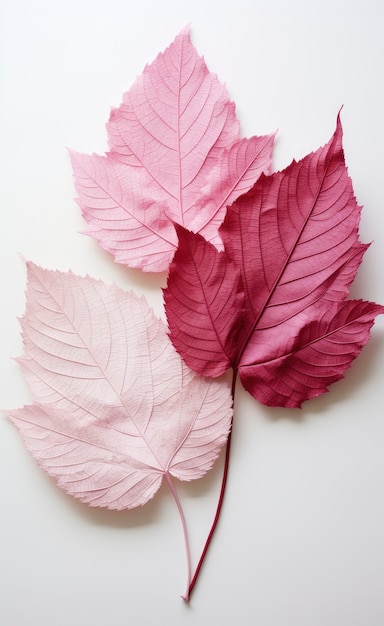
column 185, row 596
column 220, row 501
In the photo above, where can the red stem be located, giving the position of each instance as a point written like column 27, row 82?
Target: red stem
column 221, row 497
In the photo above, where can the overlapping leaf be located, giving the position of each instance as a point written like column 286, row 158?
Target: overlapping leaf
column 263, row 291
column 115, row 408
column 291, row 253
column 176, row 157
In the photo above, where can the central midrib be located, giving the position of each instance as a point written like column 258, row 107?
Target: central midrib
column 283, row 268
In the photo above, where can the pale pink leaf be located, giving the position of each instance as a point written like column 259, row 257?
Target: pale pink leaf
column 115, row 407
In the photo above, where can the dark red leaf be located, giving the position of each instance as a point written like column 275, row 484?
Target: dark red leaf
column 310, row 355
column 204, row 305
column 293, row 238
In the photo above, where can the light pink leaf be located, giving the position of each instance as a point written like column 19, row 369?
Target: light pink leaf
column 175, row 157
column 115, row 407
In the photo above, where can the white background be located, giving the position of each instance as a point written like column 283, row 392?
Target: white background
column 300, row 542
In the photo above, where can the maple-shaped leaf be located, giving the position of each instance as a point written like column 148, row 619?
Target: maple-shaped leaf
column 175, row 157
column 115, row 408
column 272, row 305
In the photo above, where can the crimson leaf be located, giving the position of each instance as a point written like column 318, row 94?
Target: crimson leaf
column 272, row 305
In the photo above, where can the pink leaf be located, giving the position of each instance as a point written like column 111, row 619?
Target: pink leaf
column 293, row 239
column 115, row 407
column 123, row 216
column 175, row 157
column 173, row 123
column 233, row 175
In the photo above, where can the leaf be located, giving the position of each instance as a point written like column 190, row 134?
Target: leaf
column 115, row 409
column 204, row 302
column 318, row 353
column 175, row 157
column 234, row 174
column 122, row 213
column 291, row 252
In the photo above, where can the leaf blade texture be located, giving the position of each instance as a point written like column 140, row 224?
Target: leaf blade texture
column 294, row 240
column 115, row 408
column 179, row 111
column 122, row 214
column 204, row 307
column 318, row 355
column 306, row 230
column 175, row 137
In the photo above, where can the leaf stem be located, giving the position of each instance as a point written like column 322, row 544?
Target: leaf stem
column 185, row 596
column 221, row 497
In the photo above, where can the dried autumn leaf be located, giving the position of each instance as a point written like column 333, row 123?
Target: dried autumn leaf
column 175, row 157
column 115, row 409
column 272, row 305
